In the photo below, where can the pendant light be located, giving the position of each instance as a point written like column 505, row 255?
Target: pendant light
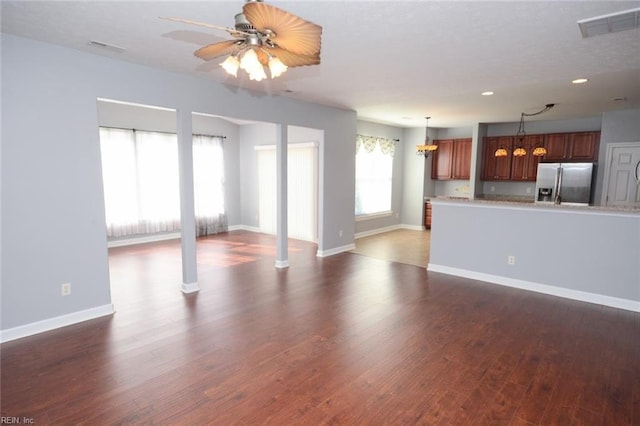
column 428, row 147
column 519, row 150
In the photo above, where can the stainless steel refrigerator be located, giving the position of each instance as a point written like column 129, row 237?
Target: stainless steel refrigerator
column 564, row 183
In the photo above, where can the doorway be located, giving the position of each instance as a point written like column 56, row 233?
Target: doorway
column 622, row 175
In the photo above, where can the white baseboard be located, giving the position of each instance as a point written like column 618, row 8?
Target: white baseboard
column 56, row 322
column 614, row 302
column 388, row 229
column 331, row 252
column 376, row 231
column 281, row 264
column 413, row 227
column 144, row 239
column 190, row 287
column 244, row 228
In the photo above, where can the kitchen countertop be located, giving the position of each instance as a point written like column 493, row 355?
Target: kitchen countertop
column 529, row 203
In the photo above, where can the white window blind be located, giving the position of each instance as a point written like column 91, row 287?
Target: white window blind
column 302, row 190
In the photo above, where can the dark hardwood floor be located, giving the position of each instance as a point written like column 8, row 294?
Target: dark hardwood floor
column 346, row 339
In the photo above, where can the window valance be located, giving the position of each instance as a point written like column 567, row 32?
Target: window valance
column 387, row 146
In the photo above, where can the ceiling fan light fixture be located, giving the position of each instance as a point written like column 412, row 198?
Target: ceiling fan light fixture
column 257, row 74
column 231, row 65
column 250, row 62
column 276, row 67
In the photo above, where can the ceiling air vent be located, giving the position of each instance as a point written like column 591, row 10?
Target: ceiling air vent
column 612, row 23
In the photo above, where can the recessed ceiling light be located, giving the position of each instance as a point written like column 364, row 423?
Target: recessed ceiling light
column 487, row 93
column 579, row 80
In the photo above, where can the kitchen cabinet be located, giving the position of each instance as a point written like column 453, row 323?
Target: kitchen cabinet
column 427, row 215
column 452, row 159
column 525, row 168
column 566, row 147
column 496, row 168
column 442, row 159
column 584, row 146
column 577, row 146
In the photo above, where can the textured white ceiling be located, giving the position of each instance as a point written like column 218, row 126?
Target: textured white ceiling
column 392, row 62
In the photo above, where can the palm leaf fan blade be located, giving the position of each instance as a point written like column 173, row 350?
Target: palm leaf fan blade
column 290, row 59
column 290, row 32
column 216, row 50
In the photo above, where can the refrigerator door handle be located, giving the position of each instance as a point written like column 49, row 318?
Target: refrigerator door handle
column 636, row 172
column 558, row 199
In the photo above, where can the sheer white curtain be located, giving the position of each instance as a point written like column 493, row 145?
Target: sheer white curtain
column 208, row 185
column 158, row 182
column 141, row 182
column 140, row 178
column 302, row 194
column 119, row 179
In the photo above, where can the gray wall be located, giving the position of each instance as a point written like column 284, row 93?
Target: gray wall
column 417, row 179
column 617, row 126
column 590, row 251
column 53, row 224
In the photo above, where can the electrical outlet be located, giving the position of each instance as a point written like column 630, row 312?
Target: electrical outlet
column 493, row 189
column 66, row 289
column 511, row 260
column 340, row 233
column 528, row 190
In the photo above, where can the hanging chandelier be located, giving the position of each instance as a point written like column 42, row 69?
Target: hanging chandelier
column 520, row 150
column 428, row 147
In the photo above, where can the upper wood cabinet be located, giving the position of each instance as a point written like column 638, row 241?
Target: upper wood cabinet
column 525, row 168
column 442, row 159
column 496, row 168
column 584, row 146
column 452, row 159
column 578, row 146
column 461, row 159
column 567, row 147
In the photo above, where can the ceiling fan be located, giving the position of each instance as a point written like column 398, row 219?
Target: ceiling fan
column 264, row 35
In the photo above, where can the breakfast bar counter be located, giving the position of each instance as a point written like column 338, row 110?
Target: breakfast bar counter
column 587, row 253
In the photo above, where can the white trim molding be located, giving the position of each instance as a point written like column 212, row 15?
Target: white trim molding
column 336, row 250
column 55, row 322
column 190, row 287
column 281, row 264
column 388, row 229
column 144, row 239
column 614, row 302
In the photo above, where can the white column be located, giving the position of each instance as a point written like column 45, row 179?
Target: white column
column 187, row 210
column 282, row 254
column 475, row 184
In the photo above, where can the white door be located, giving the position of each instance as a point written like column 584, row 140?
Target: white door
column 622, row 182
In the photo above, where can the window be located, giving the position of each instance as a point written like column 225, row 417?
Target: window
column 141, row 182
column 374, row 173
